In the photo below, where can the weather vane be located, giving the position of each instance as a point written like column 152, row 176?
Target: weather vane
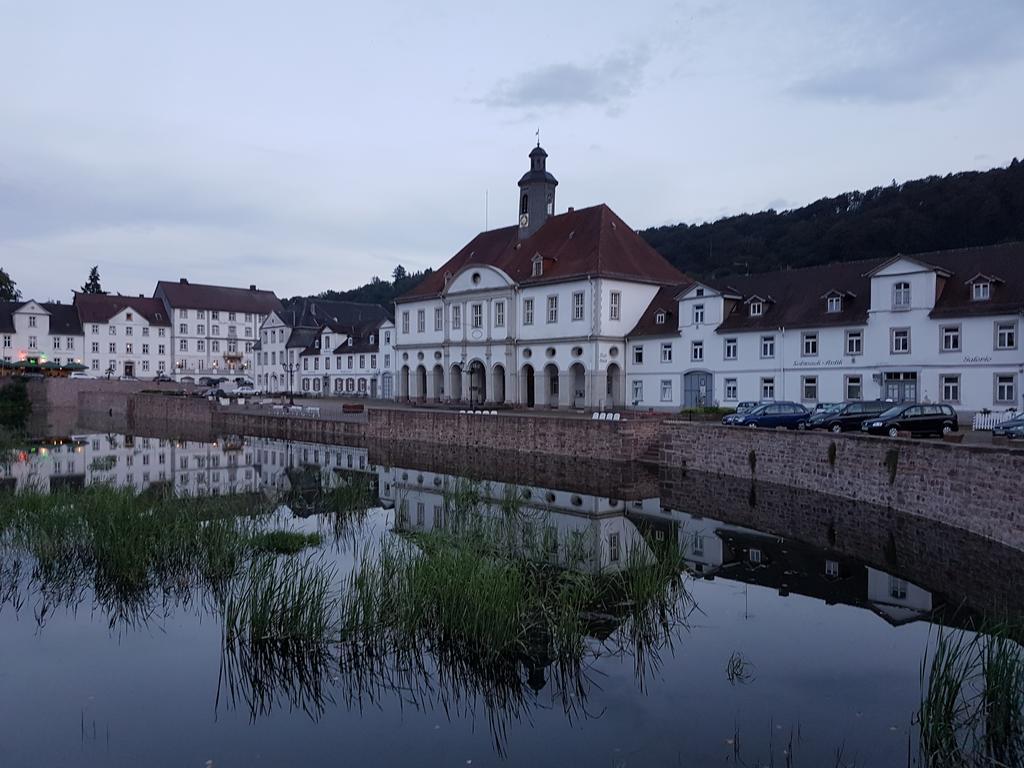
column 538, row 137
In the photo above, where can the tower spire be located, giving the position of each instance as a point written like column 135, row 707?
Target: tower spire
column 536, row 193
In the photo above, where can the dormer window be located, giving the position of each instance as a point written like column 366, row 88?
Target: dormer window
column 371, row 338
column 700, row 292
column 835, row 303
column 327, row 341
column 538, row 265
column 981, row 290
column 756, row 308
column 659, row 317
column 351, row 341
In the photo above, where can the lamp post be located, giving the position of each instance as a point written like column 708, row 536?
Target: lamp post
column 290, row 369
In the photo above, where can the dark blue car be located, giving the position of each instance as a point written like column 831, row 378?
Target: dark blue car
column 771, row 415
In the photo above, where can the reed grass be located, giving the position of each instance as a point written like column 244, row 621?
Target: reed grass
column 283, row 542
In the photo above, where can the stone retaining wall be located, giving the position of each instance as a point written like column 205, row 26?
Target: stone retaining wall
column 979, row 488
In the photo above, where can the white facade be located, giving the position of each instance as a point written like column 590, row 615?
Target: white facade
column 488, row 340
column 35, row 331
column 127, row 345
column 899, row 350
column 213, row 342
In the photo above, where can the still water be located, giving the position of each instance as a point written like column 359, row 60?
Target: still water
column 799, row 633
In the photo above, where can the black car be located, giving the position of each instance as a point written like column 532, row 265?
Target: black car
column 745, row 407
column 771, row 415
column 915, row 418
column 163, row 378
column 847, row 416
column 1003, row 428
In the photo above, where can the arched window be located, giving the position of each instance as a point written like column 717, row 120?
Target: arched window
column 524, row 203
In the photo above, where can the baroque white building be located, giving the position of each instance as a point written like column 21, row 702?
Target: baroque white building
column 321, row 347
column 941, row 327
column 535, row 314
column 124, row 335
column 214, row 327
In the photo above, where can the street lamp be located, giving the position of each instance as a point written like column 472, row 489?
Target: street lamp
column 290, row 368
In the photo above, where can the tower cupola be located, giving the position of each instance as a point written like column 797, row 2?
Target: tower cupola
column 536, row 194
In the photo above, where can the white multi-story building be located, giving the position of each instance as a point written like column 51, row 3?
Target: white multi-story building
column 534, row 314
column 321, row 347
column 214, row 328
column 940, row 327
column 124, row 335
column 45, row 331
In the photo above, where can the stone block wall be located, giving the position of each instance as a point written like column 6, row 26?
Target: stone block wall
column 979, row 488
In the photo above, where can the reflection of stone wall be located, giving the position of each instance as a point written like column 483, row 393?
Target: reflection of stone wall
column 983, row 574
column 616, row 480
column 972, row 486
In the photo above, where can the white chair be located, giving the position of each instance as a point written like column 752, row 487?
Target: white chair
column 595, row 416
column 462, row 412
column 223, row 401
column 617, row 417
column 241, row 401
column 494, row 413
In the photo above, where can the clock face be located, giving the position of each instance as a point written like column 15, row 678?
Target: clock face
column 524, row 220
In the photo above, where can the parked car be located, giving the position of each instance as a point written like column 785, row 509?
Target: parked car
column 243, row 392
column 770, row 415
column 745, row 407
column 163, row 378
column 916, row 418
column 1016, row 432
column 241, row 381
column 847, row 416
column 80, row 375
column 1002, row 429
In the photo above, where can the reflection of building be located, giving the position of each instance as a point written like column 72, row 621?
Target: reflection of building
column 197, row 469
column 720, row 550
column 534, row 314
column 285, row 466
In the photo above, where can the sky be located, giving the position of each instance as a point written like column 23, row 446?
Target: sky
column 314, row 144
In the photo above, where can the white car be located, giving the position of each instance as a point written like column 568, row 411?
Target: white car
column 242, row 392
column 79, row 375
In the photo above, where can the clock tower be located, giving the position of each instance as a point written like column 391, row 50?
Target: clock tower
column 536, row 194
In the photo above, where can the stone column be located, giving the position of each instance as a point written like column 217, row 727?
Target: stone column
column 429, row 381
column 511, row 386
column 540, row 389
column 465, row 385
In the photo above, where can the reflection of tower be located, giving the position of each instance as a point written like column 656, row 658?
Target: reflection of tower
column 535, row 676
column 536, row 194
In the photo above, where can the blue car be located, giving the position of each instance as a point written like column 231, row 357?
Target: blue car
column 771, row 415
column 1004, row 428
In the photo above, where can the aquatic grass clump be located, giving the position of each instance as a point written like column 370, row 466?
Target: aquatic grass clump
column 282, row 542
column 972, row 699
column 281, row 601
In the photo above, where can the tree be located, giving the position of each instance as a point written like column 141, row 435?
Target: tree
column 399, row 274
column 92, row 285
column 8, row 289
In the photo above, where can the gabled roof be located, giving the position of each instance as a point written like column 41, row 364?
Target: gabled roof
column 664, row 301
column 101, row 307
column 589, row 242
column 63, row 317
column 1005, row 260
column 339, row 316
column 186, row 295
column 795, row 300
column 302, row 338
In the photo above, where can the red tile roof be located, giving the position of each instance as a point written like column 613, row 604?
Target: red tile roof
column 665, row 301
column 186, row 295
column 589, row 242
column 100, row 307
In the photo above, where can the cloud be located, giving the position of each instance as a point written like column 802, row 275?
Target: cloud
column 915, row 55
column 607, row 83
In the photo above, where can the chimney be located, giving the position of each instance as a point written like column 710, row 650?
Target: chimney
column 571, row 209
column 183, row 281
column 252, row 287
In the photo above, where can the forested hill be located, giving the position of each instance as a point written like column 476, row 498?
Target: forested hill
column 970, row 208
column 939, row 212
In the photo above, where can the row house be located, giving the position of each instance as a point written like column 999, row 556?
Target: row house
column 940, row 327
column 535, row 314
column 124, row 335
column 321, row 347
column 214, row 327
column 48, row 331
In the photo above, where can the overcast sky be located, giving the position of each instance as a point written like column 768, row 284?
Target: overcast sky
column 312, row 144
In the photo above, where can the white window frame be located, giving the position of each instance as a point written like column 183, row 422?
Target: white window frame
column 767, row 387
column 476, row 315
column 853, row 380
column 767, row 347
column 666, row 390
column 1005, row 334
column 552, row 311
column 698, row 314
column 756, row 308
column 731, row 389
column 809, row 344
column 949, row 387
column 949, row 333
column 731, row 348
column 666, row 352
column 438, row 319
column 854, row 336
column 638, row 391
column 615, row 305
column 834, row 304
column 894, row 334
column 527, row 311
column 638, row 354
column 981, row 290
column 697, row 351
column 578, row 305
column 901, row 295
column 1004, row 389
column 809, row 382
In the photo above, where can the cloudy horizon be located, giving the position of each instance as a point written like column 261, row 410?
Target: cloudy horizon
column 314, row 146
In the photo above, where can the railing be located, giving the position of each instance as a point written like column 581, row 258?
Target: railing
column 988, row 420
